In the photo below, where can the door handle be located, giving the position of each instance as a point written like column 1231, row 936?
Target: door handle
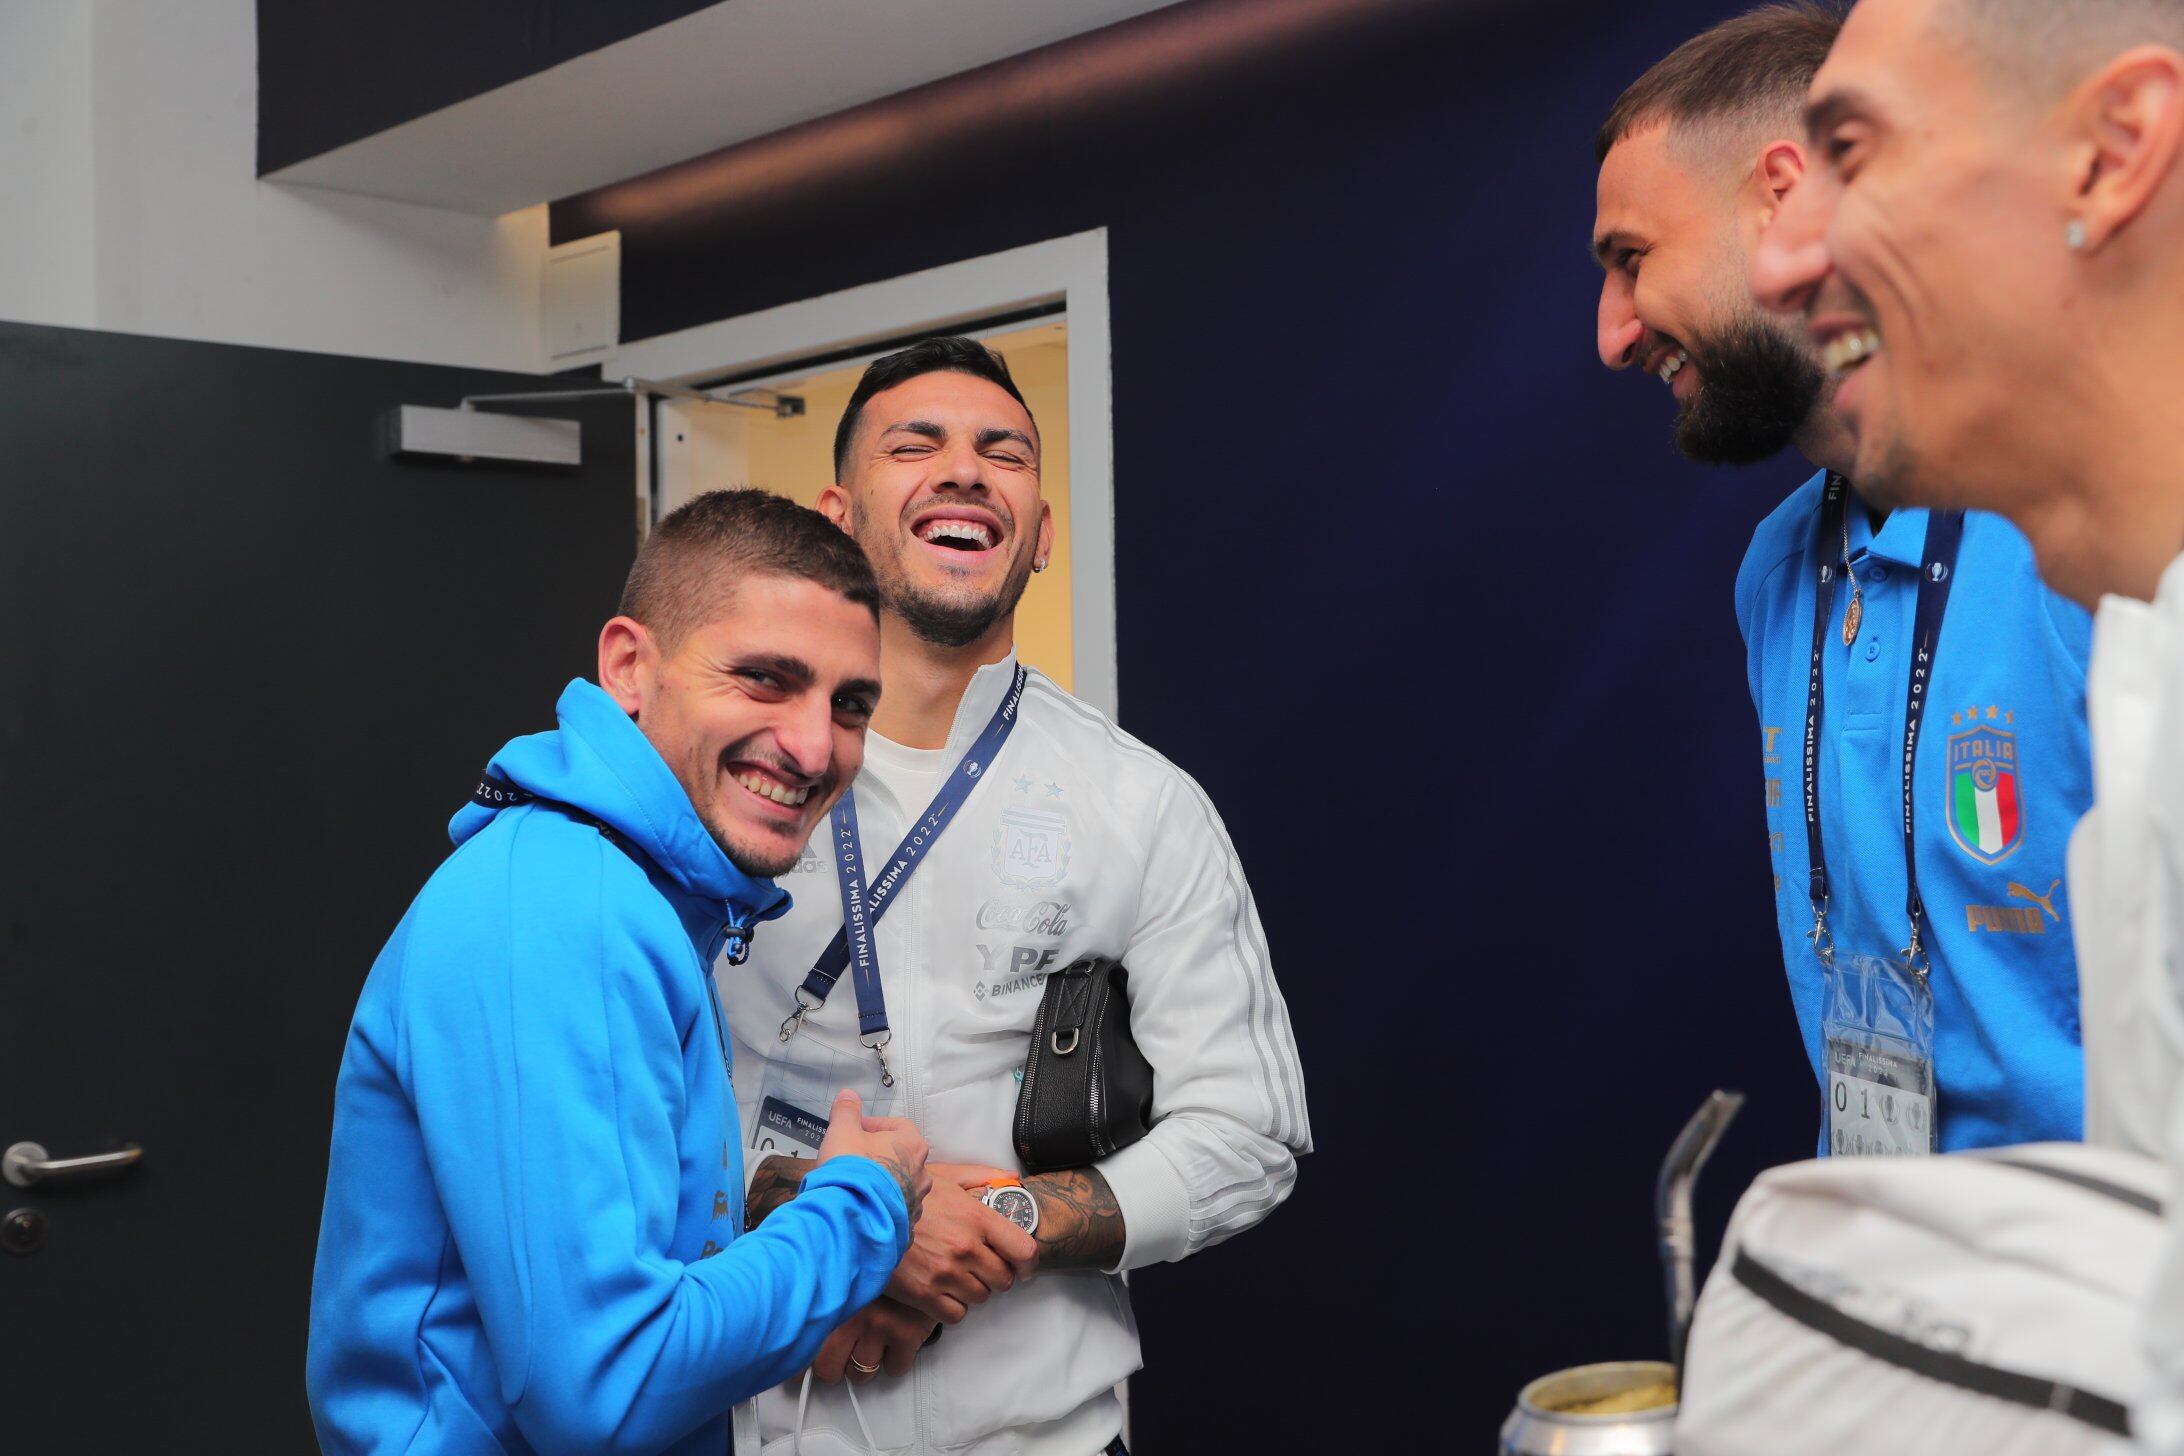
column 26, row 1164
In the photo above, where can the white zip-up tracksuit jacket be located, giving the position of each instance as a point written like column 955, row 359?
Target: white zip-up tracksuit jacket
column 1077, row 840
column 2127, row 882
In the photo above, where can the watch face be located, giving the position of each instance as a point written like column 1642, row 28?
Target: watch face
column 1016, row 1205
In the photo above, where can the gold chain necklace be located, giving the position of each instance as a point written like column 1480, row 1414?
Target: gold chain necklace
column 1855, row 612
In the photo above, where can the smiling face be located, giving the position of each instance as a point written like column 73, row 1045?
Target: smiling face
column 1914, row 257
column 1670, row 234
column 940, row 486
column 760, row 711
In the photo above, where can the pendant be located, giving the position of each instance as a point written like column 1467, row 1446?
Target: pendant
column 1852, row 616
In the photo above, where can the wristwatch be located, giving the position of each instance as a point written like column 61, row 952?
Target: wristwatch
column 1013, row 1201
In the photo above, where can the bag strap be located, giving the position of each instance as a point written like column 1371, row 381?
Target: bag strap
column 2032, row 1391
column 1071, row 999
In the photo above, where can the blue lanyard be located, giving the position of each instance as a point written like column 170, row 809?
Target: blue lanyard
column 1937, row 573
column 864, row 903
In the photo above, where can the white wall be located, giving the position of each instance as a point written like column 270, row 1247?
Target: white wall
column 129, row 201
column 45, row 162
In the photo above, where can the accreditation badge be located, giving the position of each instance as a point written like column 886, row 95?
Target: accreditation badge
column 1878, row 1024
column 796, row 1096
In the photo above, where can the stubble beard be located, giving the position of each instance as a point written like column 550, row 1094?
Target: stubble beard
column 1757, row 389
column 761, row 865
column 1891, row 478
column 763, row 862
column 945, row 620
column 702, row 776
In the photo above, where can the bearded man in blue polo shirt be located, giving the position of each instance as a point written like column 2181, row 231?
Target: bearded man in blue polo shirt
column 1924, row 921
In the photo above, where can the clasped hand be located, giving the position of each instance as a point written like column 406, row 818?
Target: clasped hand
column 892, row 1142
column 962, row 1254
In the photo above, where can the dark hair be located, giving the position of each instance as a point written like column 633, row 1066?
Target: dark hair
column 693, row 560
column 943, row 354
column 1757, row 64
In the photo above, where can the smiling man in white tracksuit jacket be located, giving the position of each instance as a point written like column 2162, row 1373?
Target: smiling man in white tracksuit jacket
column 1072, row 839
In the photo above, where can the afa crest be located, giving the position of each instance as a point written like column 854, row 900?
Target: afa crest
column 1985, row 808
column 1031, row 848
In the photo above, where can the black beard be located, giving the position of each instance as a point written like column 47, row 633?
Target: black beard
column 955, row 623
column 1756, row 390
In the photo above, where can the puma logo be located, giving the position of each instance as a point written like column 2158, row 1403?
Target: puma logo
column 2045, row 902
column 2015, row 919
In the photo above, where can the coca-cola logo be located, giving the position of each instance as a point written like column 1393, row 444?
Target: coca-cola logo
column 1034, row 917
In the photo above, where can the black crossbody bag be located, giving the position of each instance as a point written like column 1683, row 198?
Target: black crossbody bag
column 1088, row 1090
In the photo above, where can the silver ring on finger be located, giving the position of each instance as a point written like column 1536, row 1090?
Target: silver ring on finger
column 861, row 1368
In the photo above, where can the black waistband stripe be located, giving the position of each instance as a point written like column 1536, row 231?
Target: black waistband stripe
column 2145, row 1202
column 2032, row 1391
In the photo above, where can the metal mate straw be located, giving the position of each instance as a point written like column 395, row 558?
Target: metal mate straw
column 1672, row 1212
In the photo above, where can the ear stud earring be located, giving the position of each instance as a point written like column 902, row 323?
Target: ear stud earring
column 2074, row 235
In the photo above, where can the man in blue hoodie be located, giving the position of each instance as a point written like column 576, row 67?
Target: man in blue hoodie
column 532, row 1238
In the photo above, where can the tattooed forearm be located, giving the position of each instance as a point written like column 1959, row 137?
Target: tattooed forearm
column 907, row 1178
column 777, row 1180
column 1080, row 1225
column 773, row 1183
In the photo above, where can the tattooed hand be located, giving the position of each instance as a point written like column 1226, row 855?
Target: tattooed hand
column 963, row 1253
column 892, row 1142
column 1080, row 1224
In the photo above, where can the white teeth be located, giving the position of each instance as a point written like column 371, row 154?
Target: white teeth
column 766, row 788
column 970, row 531
column 1847, row 349
column 1673, row 365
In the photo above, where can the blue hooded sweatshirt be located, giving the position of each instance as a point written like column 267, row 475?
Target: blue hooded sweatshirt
column 533, row 1229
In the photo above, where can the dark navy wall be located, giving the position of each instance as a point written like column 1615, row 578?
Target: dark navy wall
column 1425, row 600
column 333, row 71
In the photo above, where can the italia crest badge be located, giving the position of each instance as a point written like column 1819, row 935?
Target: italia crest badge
column 1986, row 814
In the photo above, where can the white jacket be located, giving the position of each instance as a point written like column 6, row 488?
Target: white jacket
column 2127, row 880
column 1076, row 840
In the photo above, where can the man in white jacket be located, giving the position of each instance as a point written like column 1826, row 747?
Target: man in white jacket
column 1990, row 255
column 1068, row 838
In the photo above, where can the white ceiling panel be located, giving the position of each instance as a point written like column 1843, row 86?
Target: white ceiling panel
column 722, row 75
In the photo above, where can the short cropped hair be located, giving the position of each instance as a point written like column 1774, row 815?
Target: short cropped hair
column 1751, row 69
column 942, row 354
column 689, row 566
column 2046, row 46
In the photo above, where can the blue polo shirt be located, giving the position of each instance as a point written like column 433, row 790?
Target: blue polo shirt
column 2003, row 776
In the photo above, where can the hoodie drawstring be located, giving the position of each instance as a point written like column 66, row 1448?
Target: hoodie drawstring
column 803, row 1398
column 737, row 942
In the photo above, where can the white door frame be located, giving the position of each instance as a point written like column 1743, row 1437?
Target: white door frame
column 1070, row 270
